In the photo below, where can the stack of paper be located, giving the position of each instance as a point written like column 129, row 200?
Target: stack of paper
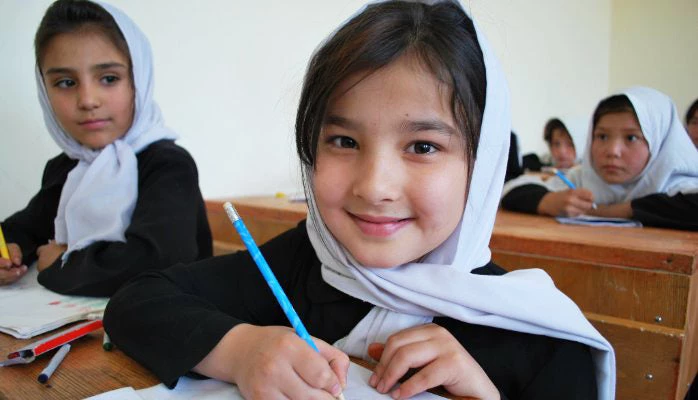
column 28, row 309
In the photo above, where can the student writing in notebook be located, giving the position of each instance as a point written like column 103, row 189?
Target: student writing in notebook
column 122, row 196
column 402, row 131
column 639, row 163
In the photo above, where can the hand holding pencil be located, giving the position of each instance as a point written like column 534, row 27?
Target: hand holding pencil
column 285, row 367
column 11, row 268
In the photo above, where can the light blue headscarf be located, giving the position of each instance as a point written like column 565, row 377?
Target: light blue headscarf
column 100, row 193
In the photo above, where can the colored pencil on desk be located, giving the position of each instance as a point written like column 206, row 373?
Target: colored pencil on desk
column 54, row 363
column 4, row 252
column 274, row 285
column 42, row 346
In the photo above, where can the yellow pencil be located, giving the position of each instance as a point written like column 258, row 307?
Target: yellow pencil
column 3, row 246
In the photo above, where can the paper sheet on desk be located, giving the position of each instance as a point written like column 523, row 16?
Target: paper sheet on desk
column 599, row 221
column 28, row 309
column 357, row 389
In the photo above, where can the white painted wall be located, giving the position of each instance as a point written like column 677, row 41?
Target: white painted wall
column 229, row 75
column 653, row 43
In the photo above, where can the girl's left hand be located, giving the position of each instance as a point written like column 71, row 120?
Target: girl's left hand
column 48, row 254
column 442, row 359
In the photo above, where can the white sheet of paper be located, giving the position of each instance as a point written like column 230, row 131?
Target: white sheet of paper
column 28, row 309
column 599, row 221
column 211, row 389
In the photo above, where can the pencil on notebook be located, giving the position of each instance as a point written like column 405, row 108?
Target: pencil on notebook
column 270, row 278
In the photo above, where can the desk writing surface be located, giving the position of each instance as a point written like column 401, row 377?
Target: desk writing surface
column 87, row 370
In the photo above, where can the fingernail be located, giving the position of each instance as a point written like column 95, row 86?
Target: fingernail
column 336, row 390
column 395, row 394
column 372, row 380
column 381, row 386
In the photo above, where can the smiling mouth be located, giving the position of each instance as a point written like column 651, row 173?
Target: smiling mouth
column 379, row 226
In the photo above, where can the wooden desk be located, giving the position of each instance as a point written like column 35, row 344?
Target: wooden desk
column 639, row 287
column 86, row 371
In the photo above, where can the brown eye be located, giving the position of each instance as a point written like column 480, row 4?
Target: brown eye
column 423, row 148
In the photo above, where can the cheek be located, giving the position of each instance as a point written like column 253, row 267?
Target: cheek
column 440, row 197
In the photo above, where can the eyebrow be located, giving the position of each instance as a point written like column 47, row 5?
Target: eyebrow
column 428, row 125
column 97, row 67
column 415, row 126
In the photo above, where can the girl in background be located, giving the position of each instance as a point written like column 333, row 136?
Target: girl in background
column 402, row 131
column 122, row 197
column 692, row 122
column 639, row 163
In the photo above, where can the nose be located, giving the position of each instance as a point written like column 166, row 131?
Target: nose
column 377, row 179
column 614, row 148
column 88, row 97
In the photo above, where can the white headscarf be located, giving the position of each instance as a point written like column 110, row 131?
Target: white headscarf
column 442, row 283
column 100, row 193
column 671, row 169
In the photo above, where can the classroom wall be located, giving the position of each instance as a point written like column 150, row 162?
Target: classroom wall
column 654, row 44
column 228, row 76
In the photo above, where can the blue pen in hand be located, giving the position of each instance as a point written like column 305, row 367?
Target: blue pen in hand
column 269, row 277
column 569, row 183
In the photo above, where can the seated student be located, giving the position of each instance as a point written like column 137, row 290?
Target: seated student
column 639, row 164
column 393, row 260
column 563, row 154
column 692, row 122
column 122, row 197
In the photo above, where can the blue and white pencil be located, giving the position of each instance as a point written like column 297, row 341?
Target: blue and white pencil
column 274, row 285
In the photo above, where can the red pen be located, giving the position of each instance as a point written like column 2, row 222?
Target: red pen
column 28, row 353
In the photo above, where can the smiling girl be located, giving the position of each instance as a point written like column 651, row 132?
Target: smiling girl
column 122, row 197
column 639, row 164
column 402, row 131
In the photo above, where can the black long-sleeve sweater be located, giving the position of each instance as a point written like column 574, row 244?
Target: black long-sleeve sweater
column 659, row 210
column 168, row 225
column 170, row 320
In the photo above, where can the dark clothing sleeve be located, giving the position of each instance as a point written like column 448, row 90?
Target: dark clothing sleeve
column 170, row 320
column 168, row 225
column 33, row 226
column 190, row 308
column 524, row 198
column 661, row 210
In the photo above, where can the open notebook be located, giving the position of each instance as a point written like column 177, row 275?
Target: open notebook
column 28, row 309
column 598, row 221
column 211, row 389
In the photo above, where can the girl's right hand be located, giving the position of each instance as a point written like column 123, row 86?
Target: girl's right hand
column 568, row 203
column 11, row 270
column 273, row 362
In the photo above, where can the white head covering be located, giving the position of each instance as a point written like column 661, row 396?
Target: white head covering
column 100, row 193
column 673, row 163
column 442, row 283
column 671, row 169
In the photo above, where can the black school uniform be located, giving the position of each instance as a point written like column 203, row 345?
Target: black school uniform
column 170, row 320
column 659, row 210
column 168, row 225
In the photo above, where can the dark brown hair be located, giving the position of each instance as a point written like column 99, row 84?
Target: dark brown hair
column 69, row 16
column 442, row 38
column 618, row 103
column 550, row 126
column 691, row 111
